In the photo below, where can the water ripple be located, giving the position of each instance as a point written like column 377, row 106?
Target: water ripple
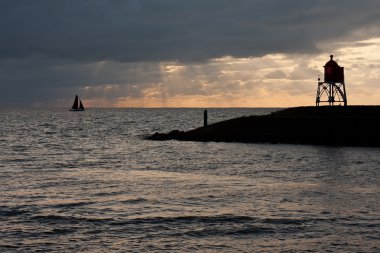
column 88, row 182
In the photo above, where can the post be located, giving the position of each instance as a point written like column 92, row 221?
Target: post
column 205, row 118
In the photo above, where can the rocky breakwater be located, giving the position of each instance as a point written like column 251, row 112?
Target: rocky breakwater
column 325, row 125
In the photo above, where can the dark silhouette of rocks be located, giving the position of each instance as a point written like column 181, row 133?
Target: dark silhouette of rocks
column 324, row 125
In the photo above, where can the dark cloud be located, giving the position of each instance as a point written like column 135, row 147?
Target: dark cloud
column 196, row 30
column 53, row 49
column 33, row 80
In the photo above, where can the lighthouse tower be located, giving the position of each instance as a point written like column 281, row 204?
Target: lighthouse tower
column 332, row 90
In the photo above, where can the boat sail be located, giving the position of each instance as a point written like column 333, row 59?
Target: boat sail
column 77, row 106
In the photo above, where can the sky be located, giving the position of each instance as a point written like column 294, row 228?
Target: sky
column 181, row 53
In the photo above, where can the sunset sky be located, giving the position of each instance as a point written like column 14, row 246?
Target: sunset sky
column 181, row 53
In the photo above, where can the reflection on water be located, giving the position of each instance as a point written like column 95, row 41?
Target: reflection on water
column 89, row 182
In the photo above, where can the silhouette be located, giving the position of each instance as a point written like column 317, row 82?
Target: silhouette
column 205, row 118
column 333, row 88
column 77, row 106
column 322, row 125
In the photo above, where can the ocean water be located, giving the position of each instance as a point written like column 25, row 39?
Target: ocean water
column 89, row 182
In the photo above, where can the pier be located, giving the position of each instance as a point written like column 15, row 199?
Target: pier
column 322, row 125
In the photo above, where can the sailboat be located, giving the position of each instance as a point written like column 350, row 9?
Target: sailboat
column 77, row 106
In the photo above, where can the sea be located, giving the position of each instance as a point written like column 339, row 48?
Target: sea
column 91, row 182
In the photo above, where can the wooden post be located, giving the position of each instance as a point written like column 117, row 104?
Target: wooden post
column 205, row 118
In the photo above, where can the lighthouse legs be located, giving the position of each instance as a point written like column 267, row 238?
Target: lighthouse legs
column 331, row 93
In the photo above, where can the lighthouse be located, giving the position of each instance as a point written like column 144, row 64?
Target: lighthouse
column 332, row 90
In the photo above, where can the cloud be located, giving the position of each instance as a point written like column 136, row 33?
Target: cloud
column 242, row 51
column 37, row 79
column 169, row 30
column 277, row 74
